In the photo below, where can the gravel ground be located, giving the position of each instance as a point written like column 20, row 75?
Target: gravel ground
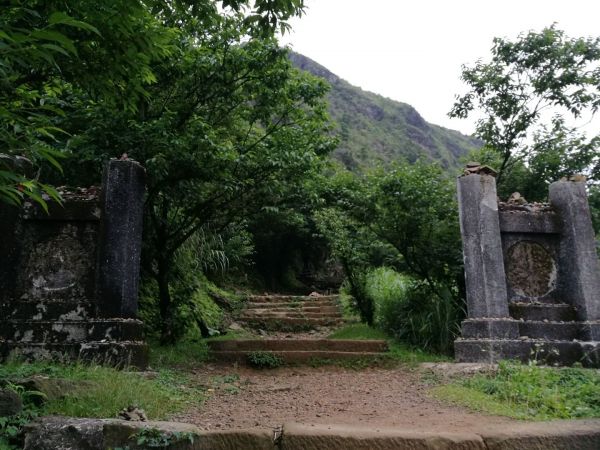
column 241, row 397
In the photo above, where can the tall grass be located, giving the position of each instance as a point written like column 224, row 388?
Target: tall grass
column 408, row 310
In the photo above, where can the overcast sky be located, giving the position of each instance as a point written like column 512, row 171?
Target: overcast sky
column 412, row 51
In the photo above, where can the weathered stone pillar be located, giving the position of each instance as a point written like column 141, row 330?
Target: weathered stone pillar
column 120, row 238
column 580, row 272
column 482, row 247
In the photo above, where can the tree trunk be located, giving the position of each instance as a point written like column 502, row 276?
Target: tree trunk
column 165, row 305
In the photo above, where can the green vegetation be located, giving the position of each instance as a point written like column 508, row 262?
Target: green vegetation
column 399, row 352
column 374, row 129
column 264, row 360
column 512, row 92
column 92, row 391
column 60, row 58
column 184, row 354
column 358, row 331
column 403, row 218
column 155, row 438
column 158, row 397
column 529, row 392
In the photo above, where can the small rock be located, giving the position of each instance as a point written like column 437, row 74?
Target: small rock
column 133, row 413
column 516, row 199
column 234, row 326
column 262, row 332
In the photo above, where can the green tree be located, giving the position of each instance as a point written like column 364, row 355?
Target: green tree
column 527, row 93
column 107, row 49
column 404, row 217
column 229, row 130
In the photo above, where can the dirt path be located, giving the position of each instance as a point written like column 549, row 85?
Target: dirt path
column 242, row 398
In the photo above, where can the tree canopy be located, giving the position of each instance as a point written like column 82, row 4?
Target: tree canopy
column 533, row 96
column 109, row 50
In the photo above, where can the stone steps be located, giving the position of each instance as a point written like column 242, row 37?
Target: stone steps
column 56, row 331
column 294, row 305
column 325, row 307
column 291, row 313
column 292, row 357
column 290, row 298
column 119, row 354
column 543, row 311
column 335, row 345
column 289, row 323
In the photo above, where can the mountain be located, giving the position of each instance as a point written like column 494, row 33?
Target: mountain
column 375, row 129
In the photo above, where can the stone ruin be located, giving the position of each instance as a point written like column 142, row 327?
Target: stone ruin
column 532, row 275
column 69, row 278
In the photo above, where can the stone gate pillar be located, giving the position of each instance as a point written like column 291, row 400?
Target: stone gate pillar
column 487, row 298
column 482, row 246
column 120, row 238
column 580, row 272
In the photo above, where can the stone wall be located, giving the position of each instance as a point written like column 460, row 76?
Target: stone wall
column 532, row 275
column 69, row 277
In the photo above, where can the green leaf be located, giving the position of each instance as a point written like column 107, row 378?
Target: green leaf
column 56, row 37
column 60, row 17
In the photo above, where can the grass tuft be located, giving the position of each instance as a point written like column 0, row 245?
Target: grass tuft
column 398, row 351
column 103, row 391
column 358, row 331
column 184, row 354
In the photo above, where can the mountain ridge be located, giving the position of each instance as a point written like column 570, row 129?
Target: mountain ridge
column 374, row 129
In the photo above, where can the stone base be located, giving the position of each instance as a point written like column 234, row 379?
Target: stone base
column 69, row 331
column 116, row 354
column 490, row 328
column 562, row 353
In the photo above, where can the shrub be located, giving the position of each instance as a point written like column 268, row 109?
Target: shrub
column 408, row 310
column 264, row 360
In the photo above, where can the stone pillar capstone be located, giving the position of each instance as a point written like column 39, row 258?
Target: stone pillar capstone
column 120, row 238
column 580, row 272
column 482, row 247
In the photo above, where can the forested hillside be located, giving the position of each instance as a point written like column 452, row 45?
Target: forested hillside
column 376, row 129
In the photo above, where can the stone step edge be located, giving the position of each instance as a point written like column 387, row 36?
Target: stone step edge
column 289, row 319
column 44, row 433
column 290, row 315
column 298, row 344
column 291, row 356
column 296, row 305
column 284, row 296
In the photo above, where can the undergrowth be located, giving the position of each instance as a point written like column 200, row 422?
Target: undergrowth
column 96, row 391
column 264, row 360
column 184, row 354
column 529, row 392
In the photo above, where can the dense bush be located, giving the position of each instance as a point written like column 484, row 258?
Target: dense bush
column 406, row 309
